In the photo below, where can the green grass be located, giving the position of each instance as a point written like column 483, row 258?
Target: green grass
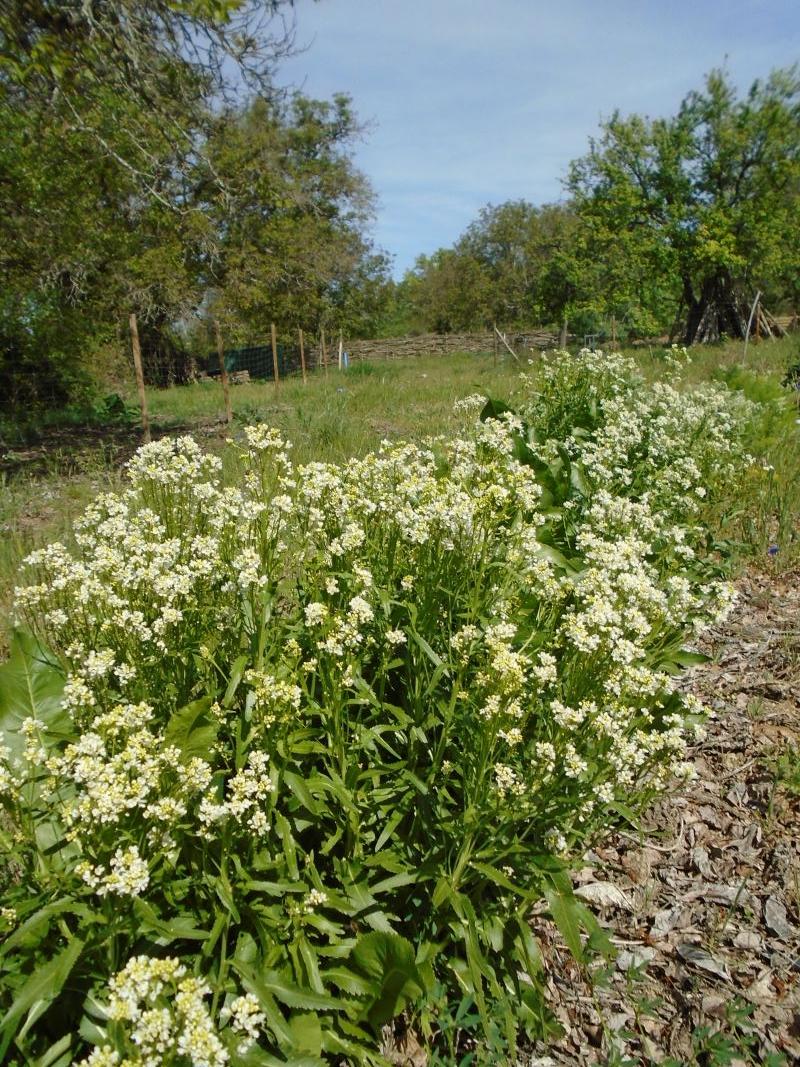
column 344, row 413
column 768, row 359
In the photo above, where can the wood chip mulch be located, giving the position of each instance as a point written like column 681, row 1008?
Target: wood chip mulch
column 704, row 907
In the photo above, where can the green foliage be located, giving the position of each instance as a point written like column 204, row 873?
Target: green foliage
column 516, row 265
column 311, row 771
column 126, row 185
column 290, row 212
column 690, row 205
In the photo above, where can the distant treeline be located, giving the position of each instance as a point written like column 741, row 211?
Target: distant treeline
column 668, row 225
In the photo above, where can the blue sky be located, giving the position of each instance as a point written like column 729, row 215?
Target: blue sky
column 479, row 102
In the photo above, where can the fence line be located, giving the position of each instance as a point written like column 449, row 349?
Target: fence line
column 290, row 358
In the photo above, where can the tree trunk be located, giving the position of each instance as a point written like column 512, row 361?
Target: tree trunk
column 562, row 340
column 718, row 310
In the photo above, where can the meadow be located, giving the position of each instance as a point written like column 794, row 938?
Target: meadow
column 306, row 714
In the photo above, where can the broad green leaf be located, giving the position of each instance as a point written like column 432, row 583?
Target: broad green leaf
column 493, row 409
column 374, row 952
column 43, row 986
column 565, row 910
column 31, row 686
column 388, row 960
column 193, row 729
column 307, row 1032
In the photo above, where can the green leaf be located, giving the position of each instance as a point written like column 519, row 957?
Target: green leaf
column 307, row 1033
column 58, row 1055
column 578, row 479
column 39, row 922
column 293, row 996
column 434, row 657
column 573, row 913
column 31, row 686
column 40, row 990
column 686, row 658
column 501, row 879
column 237, row 673
column 289, row 849
column 391, row 825
column 354, row 984
column 163, row 931
column 565, row 911
column 299, row 788
column 493, row 409
column 388, row 960
column 192, row 729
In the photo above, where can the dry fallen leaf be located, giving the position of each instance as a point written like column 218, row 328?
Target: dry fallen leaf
column 628, row 959
column 697, row 956
column 762, row 991
column 775, row 918
column 666, row 920
column 605, row 895
column 746, row 939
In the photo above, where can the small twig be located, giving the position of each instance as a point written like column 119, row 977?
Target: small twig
column 645, row 844
column 738, row 770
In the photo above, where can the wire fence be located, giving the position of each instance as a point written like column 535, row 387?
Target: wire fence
column 257, row 361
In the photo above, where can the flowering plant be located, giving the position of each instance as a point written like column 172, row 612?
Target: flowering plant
column 288, row 756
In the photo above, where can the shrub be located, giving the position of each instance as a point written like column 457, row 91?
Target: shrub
column 290, row 756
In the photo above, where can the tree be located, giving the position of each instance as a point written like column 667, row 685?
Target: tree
column 139, row 62
column 449, row 291
column 136, row 176
column 697, row 210
column 289, row 211
column 515, row 265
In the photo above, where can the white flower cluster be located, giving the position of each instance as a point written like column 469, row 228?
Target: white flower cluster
column 163, row 1011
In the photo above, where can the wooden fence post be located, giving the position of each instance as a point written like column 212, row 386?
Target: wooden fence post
column 137, row 364
column 303, row 358
column 324, row 350
column 274, row 336
column 223, row 373
column 750, row 321
column 341, row 349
